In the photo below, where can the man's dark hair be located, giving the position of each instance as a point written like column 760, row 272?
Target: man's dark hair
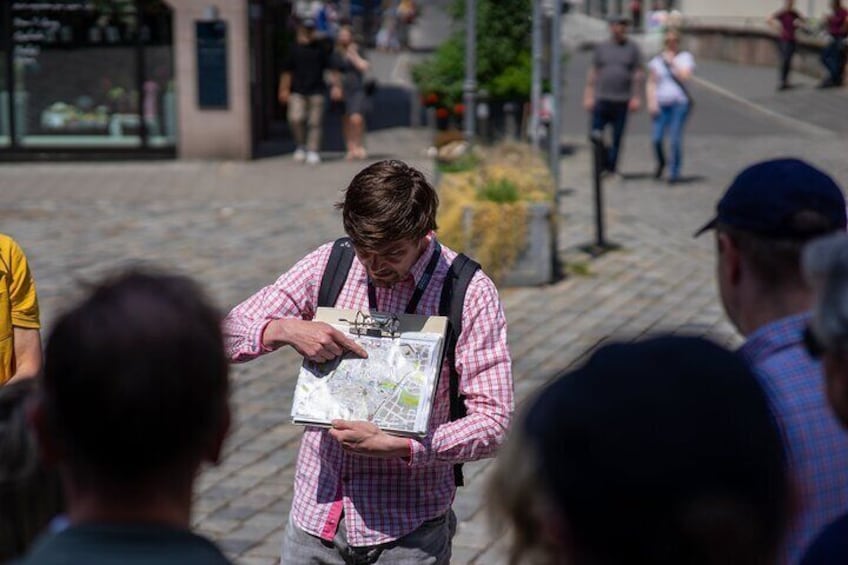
column 386, row 202
column 30, row 493
column 777, row 261
column 136, row 379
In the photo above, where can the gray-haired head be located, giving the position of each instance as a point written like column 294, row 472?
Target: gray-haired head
column 825, row 265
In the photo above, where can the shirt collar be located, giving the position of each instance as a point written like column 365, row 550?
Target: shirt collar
column 772, row 337
column 420, row 266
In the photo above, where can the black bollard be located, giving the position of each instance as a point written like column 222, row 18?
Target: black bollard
column 600, row 161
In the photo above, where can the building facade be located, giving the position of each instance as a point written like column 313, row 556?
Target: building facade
column 139, row 78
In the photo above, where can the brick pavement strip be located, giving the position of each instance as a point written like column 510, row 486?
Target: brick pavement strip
column 237, row 226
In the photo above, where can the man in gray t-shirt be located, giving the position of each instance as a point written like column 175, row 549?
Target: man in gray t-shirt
column 613, row 86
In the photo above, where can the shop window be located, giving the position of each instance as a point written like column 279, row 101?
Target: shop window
column 92, row 73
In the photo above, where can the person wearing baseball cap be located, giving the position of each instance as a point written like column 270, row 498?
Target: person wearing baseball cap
column 763, row 221
column 661, row 452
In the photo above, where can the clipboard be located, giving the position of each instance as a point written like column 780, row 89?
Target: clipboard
column 394, row 388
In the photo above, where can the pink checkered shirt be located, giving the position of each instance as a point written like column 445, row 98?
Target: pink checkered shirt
column 385, row 499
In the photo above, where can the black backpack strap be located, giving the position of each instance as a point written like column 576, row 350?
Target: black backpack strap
column 452, row 301
column 335, row 273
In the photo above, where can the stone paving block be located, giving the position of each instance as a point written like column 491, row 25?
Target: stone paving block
column 266, row 552
column 216, row 527
column 463, row 555
column 234, row 546
column 234, row 512
column 255, row 531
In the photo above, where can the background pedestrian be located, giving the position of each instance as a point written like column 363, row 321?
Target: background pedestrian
column 350, row 61
column 302, row 90
column 833, row 56
column 669, row 102
column 786, row 22
column 613, row 87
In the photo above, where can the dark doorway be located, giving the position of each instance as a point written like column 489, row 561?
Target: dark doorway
column 271, row 34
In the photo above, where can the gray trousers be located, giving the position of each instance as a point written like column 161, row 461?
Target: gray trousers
column 430, row 544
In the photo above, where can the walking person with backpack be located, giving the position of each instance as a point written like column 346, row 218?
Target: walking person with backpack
column 669, row 102
column 361, row 494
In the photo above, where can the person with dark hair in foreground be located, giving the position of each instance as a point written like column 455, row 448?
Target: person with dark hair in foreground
column 360, row 494
column 662, row 452
column 30, row 494
column 764, row 220
column 135, row 399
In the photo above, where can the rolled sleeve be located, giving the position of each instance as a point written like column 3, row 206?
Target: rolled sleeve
column 485, row 379
column 293, row 295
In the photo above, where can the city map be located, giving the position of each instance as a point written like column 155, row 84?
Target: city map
column 393, row 387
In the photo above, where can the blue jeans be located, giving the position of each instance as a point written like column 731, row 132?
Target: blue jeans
column 671, row 118
column 615, row 114
column 833, row 58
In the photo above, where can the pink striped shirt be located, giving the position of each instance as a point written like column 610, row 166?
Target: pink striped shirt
column 385, row 499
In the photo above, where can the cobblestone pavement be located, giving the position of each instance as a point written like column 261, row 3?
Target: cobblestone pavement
column 236, row 226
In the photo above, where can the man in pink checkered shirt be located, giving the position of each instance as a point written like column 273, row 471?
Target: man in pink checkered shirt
column 360, row 494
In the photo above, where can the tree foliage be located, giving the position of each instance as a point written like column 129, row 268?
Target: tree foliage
column 503, row 54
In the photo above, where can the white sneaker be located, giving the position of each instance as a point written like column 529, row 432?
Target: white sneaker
column 312, row 158
column 299, row 155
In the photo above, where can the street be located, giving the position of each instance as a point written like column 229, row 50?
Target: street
column 237, row 226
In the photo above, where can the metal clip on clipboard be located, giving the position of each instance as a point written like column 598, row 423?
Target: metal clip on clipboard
column 376, row 324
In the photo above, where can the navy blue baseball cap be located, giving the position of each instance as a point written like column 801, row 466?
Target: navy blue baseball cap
column 765, row 197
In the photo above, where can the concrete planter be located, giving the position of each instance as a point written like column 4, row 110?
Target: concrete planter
column 535, row 263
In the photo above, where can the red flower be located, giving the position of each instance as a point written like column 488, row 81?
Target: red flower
column 442, row 113
column 459, row 109
column 431, row 99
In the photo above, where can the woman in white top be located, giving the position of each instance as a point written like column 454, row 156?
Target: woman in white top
column 669, row 101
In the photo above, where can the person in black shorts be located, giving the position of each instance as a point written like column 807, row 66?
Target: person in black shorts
column 352, row 65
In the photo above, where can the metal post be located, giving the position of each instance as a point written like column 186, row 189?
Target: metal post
column 470, row 87
column 598, row 150
column 536, row 84
column 556, row 94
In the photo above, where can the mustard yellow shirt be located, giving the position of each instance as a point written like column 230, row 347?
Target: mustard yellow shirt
column 18, row 302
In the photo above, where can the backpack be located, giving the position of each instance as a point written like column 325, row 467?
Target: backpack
column 451, row 303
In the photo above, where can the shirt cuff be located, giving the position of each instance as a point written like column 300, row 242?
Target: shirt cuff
column 255, row 337
column 419, row 455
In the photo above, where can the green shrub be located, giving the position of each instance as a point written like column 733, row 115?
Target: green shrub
column 500, row 191
column 465, row 163
column 503, row 54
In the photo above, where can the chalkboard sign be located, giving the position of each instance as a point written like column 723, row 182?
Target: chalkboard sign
column 212, row 64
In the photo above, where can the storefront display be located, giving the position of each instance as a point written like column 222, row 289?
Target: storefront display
column 87, row 74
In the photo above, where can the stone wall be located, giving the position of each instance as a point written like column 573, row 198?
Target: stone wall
column 750, row 47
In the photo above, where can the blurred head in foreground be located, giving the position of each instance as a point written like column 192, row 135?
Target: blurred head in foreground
column 30, row 495
column 135, row 398
column 825, row 263
column 658, row 452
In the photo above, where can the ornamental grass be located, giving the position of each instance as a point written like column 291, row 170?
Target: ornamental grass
column 484, row 211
